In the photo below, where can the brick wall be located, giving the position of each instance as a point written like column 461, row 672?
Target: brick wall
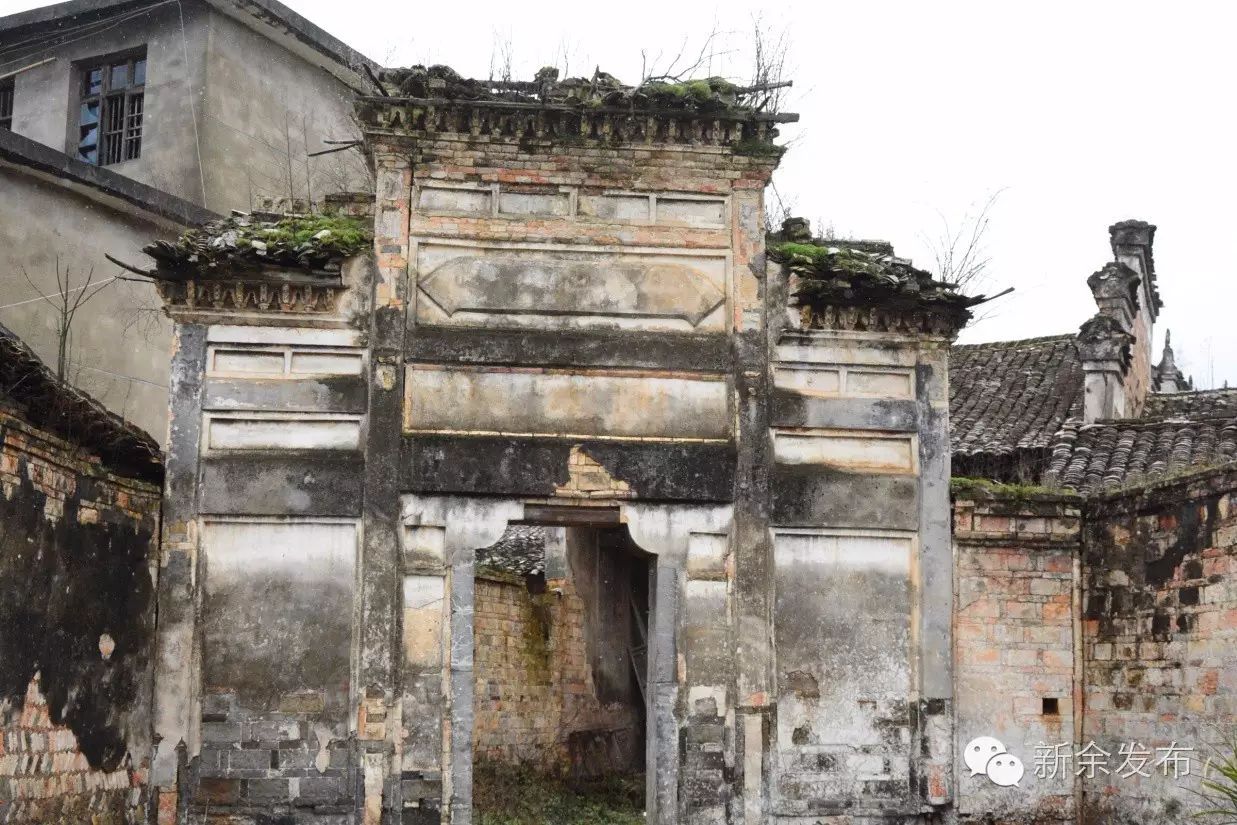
column 1014, row 631
column 535, row 701
column 76, row 620
column 1160, row 640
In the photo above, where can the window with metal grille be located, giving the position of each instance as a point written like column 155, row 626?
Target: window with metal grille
column 6, row 103
column 110, row 118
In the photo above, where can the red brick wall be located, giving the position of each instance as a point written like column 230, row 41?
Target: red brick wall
column 535, row 702
column 1160, row 639
column 72, row 539
column 1015, row 633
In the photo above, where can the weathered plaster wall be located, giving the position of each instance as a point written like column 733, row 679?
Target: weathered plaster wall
column 861, row 560
column 45, row 106
column 77, row 573
column 612, row 370
column 1016, row 637
column 263, row 110
column 120, row 338
column 276, row 664
column 1160, row 622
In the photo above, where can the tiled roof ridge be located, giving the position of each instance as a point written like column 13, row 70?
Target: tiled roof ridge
column 44, row 401
column 1039, row 339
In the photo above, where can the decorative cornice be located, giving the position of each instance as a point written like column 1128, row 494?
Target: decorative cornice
column 251, row 296
column 945, row 321
column 746, row 132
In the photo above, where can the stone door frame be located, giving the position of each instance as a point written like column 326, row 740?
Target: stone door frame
column 458, row 526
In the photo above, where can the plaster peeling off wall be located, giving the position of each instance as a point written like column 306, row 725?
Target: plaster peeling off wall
column 76, row 624
column 277, row 641
column 842, row 624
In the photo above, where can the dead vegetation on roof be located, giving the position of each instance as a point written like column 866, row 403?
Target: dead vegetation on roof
column 703, row 95
column 859, row 273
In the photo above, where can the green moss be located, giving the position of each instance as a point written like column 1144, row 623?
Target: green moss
column 961, row 487
column 247, row 242
column 508, row 795
column 756, row 148
column 537, row 637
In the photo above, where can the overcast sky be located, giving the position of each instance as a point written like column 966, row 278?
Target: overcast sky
column 1079, row 114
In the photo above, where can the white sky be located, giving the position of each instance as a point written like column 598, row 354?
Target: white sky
column 1082, row 113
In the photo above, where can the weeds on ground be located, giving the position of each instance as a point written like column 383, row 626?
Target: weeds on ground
column 506, row 795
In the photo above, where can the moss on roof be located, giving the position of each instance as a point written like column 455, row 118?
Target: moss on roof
column 860, row 273
column 706, row 95
column 253, row 242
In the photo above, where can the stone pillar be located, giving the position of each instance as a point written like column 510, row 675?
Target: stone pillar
column 1131, row 243
column 862, row 558
column 1104, row 347
column 255, row 691
column 176, row 694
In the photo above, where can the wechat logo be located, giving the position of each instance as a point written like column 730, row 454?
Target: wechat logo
column 987, row 756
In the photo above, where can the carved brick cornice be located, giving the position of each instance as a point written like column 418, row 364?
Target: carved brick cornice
column 944, row 321
column 250, row 296
column 750, row 131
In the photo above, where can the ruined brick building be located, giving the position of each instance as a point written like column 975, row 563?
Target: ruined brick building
column 548, row 453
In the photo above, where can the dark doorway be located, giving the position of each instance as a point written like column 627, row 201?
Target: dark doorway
column 560, row 636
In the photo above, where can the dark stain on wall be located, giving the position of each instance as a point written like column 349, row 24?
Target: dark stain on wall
column 64, row 585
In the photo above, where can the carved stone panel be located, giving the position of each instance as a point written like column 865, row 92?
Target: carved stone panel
column 558, row 288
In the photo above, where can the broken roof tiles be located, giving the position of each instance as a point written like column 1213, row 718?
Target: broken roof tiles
column 520, row 551
column 249, row 243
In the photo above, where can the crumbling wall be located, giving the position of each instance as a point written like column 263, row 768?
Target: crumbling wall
column 1015, row 639
column 1160, row 635
column 536, row 702
column 77, row 573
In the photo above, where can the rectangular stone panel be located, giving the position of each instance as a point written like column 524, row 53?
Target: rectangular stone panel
column 497, row 465
column 808, row 380
column 696, row 352
column 544, row 204
column 879, row 383
column 277, row 613
column 235, row 433
column 634, row 208
column 552, row 286
column 704, row 212
column 424, row 546
column 423, row 620
column 286, row 336
column 329, row 394
column 706, row 632
column 843, row 381
column 849, row 451
column 309, row 362
column 563, row 403
column 790, row 410
column 706, row 555
column 817, row 494
column 842, row 628
column 454, row 200
column 326, row 483
column 275, row 361
column 257, row 362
